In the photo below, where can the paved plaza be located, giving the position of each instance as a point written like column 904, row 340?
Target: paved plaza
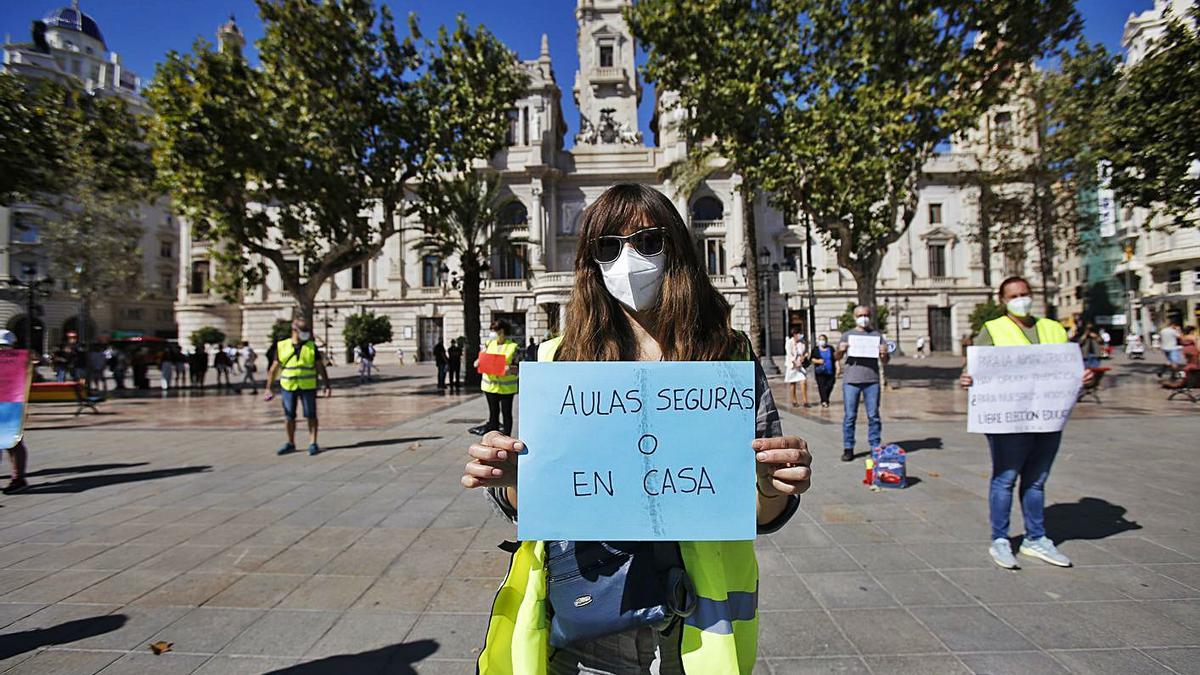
column 171, row 520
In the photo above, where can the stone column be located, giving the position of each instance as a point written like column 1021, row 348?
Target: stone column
column 735, row 227
column 537, row 234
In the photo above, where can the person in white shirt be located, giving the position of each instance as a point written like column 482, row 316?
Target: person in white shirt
column 796, row 370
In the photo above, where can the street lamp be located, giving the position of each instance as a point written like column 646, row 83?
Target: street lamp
column 766, row 270
column 33, row 288
column 899, row 309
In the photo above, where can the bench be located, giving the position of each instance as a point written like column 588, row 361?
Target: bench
column 1186, row 384
column 64, row 392
column 1089, row 390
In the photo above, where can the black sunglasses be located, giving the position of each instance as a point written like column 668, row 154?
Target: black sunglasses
column 648, row 242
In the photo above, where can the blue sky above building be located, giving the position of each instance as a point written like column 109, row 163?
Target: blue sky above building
column 142, row 31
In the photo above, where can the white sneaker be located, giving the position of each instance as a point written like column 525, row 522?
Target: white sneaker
column 1043, row 549
column 1002, row 555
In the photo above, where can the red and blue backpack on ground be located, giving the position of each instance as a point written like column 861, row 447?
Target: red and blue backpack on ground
column 890, row 466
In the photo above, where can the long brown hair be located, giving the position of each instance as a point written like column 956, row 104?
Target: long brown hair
column 691, row 319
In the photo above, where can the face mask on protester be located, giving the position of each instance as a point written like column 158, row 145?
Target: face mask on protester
column 633, row 279
column 823, row 342
column 862, row 321
column 1020, row 306
column 493, row 335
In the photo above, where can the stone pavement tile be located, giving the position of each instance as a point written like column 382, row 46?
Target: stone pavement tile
column 15, row 611
column 814, row 560
column 456, row 635
column 169, row 663
column 1186, row 612
column 326, row 592
column 926, row 664
column 1187, row 574
column 1069, row 584
column 114, row 534
column 1087, row 553
column 458, row 594
column 299, row 560
column 885, row 631
column 11, row 580
column 1181, row 659
column 844, row 590
column 1010, row 663
column 180, row 558
column 943, row 556
column 1059, row 626
column 996, row 585
column 239, row 558
column 921, row 588
column 492, row 564
column 140, row 624
column 16, row 552
column 64, row 623
column 1111, row 662
column 279, row 535
column 120, row 557
column 818, row 666
column 446, row 667
column 285, row 633
column 244, row 665
column 798, row 533
column 257, row 591
column 64, row 663
column 783, row 593
column 800, row 633
column 207, row 630
column 395, row 538
column 970, row 629
column 398, row 594
column 861, row 533
column 61, row 557
column 885, row 557
column 772, row 563
column 55, row 587
column 189, row 589
column 123, row 587
column 915, row 532
column 357, row 632
column 1140, row 550
column 228, row 533
column 1141, row 583
column 332, row 537
column 361, row 560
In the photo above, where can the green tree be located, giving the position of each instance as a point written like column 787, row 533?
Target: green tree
column 985, row 312
column 280, row 330
column 1152, row 138
column 206, row 335
column 461, row 220
column 846, row 320
column 278, row 165
column 367, row 328
column 834, row 107
column 32, row 156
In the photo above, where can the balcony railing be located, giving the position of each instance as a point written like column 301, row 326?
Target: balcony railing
column 609, row 74
column 942, row 281
column 709, row 225
column 508, row 284
column 1174, row 287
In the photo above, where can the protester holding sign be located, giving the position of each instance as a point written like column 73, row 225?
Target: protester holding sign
column 1027, row 455
column 499, row 384
column 14, row 396
column 641, row 294
column 862, row 349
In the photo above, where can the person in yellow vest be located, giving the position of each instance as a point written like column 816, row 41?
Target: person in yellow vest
column 297, row 364
column 641, row 293
column 500, row 389
column 1027, row 456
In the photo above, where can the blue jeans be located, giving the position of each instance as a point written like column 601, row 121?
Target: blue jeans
column 1091, row 362
column 870, row 396
column 1029, row 457
column 308, row 400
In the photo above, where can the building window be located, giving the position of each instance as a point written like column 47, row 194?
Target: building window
column 26, row 228
column 793, row 258
column 1014, row 259
column 430, row 271
column 509, row 263
column 935, row 214
column 708, row 208
column 358, row 276
column 514, row 214
column 293, row 269
column 1002, row 129
column 168, row 283
column 132, row 313
column 199, row 282
column 166, row 248
column 937, row 260
column 606, row 56
column 512, row 136
column 714, row 250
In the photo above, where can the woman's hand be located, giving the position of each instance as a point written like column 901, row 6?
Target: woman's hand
column 965, row 381
column 493, row 461
column 784, row 465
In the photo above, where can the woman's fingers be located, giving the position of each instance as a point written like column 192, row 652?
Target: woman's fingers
column 480, row 470
column 784, row 456
column 488, row 453
column 496, row 439
column 793, row 474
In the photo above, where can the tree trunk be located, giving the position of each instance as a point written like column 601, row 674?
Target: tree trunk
column 470, row 294
column 750, row 260
column 985, row 232
column 1045, row 225
column 866, row 276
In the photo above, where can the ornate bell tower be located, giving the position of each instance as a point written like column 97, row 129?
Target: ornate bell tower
column 606, row 89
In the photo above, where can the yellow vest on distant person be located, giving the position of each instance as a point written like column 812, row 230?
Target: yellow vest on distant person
column 298, row 370
column 500, row 384
column 1006, row 333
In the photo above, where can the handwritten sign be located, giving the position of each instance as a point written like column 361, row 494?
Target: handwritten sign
column 863, row 346
column 492, row 364
column 14, row 392
column 1030, row 388
column 637, row 451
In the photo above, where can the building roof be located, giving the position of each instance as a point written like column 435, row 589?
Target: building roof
column 72, row 18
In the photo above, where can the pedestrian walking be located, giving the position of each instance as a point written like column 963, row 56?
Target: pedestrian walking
column 1168, row 340
column 249, row 366
column 921, row 347
column 18, row 454
column 400, row 355
column 632, row 244
column 166, row 369
column 500, row 389
column 1027, row 456
column 235, row 365
column 366, row 362
column 824, row 368
column 298, row 364
column 141, row 366
column 97, row 362
column 454, row 365
column 796, row 369
column 222, row 364
column 439, row 359
column 199, row 366
column 531, row 351
column 860, row 381
column 1091, row 347
column 61, row 361
column 181, row 366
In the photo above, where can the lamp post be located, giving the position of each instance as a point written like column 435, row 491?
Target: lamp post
column 808, row 272
column 767, row 269
column 33, row 288
column 899, row 310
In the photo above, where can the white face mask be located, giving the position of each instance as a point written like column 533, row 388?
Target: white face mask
column 493, row 335
column 1020, row 306
column 823, row 342
column 633, row 279
column 305, row 336
column 862, row 321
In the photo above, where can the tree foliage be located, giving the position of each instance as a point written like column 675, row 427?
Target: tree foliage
column 32, row 157
column 1152, row 139
column 985, row 312
column 206, row 335
column 367, row 328
column 846, row 320
column 285, row 162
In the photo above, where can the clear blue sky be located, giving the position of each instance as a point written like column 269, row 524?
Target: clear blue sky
column 141, row 31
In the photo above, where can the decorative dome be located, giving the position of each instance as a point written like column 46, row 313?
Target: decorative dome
column 72, row 18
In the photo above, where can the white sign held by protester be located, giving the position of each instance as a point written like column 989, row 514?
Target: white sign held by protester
column 863, row 346
column 1028, row 388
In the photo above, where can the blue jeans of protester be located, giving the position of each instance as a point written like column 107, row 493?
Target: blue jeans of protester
column 1024, row 456
column 870, row 397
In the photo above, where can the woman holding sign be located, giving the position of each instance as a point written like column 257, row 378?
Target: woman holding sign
column 640, row 294
column 497, row 363
column 1027, row 456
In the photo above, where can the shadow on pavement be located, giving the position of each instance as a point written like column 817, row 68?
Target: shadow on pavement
column 382, row 441
column 1089, row 518
column 83, row 468
column 396, row 659
column 911, row 446
column 84, row 483
column 13, row 644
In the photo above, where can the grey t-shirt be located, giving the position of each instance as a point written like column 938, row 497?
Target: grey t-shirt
column 857, row 369
column 1169, row 338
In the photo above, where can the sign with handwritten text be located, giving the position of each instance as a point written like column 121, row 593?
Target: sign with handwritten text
column 14, row 393
column 637, row 451
column 1019, row 389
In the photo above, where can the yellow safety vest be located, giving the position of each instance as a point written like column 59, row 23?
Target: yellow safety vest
column 298, row 371
column 719, row 638
column 1006, row 333
column 500, row 384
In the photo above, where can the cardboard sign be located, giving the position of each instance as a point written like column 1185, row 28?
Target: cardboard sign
column 14, row 393
column 492, row 364
column 863, row 346
column 637, row 451
column 1028, row 388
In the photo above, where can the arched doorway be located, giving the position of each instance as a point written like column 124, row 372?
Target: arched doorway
column 20, row 325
